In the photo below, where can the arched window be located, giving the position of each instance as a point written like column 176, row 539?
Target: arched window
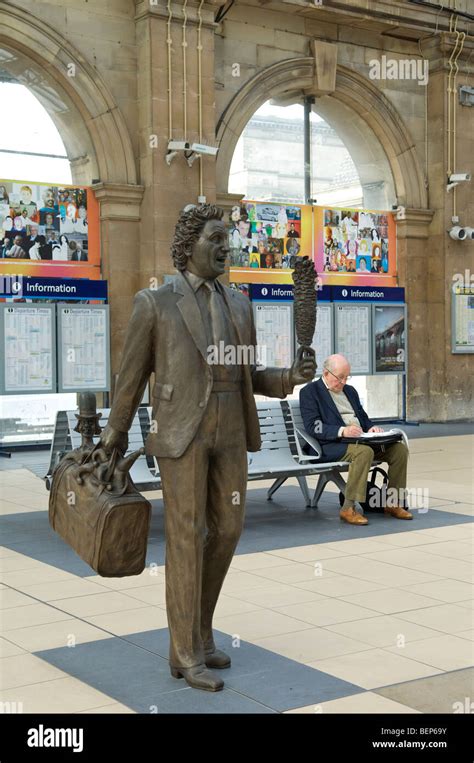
column 268, row 160
column 31, row 149
column 30, row 145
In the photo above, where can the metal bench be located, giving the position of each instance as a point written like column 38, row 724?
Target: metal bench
column 281, row 455
column 275, row 460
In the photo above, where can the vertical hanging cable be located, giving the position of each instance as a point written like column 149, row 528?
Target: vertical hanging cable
column 168, row 43
column 460, row 39
column 185, row 84
column 199, row 52
column 452, row 104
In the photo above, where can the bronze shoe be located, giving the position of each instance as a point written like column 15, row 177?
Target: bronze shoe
column 353, row 517
column 398, row 512
column 198, row 677
column 217, row 659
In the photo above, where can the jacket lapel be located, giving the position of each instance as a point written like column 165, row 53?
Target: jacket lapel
column 189, row 309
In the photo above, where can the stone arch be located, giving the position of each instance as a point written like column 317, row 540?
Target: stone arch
column 357, row 109
column 90, row 123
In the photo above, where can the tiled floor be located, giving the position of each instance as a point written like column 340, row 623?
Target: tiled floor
column 319, row 616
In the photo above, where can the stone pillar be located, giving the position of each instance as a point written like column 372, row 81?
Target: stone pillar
column 413, row 266
column 168, row 188
column 451, row 376
column 120, row 255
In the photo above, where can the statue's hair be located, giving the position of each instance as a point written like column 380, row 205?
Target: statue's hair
column 188, row 229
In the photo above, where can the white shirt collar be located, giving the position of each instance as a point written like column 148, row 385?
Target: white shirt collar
column 196, row 281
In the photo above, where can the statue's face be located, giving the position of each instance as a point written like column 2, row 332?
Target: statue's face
column 210, row 251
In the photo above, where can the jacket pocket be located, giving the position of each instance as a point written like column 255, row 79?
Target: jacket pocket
column 163, row 391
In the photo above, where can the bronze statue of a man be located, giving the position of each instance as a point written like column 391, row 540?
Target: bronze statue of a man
column 204, row 422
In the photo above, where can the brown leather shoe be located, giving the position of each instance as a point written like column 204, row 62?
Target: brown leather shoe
column 398, row 512
column 217, row 659
column 353, row 517
column 198, row 677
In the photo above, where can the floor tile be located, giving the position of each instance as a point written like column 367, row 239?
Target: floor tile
column 390, row 600
column 326, row 612
column 310, row 645
column 444, row 652
column 7, row 649
column 383, row 631
column 64, row 695
column 52, row 635
column 258, row 624
column 374, row 668
column 64, row 589
column 449, row 618
column 445, row 693
column 118, row 623
column 25, row 669
column 443, row 590
column 366, row 702
column 23, row 617
column 98, row 604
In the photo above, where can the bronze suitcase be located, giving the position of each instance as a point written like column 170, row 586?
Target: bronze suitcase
column 100, row 514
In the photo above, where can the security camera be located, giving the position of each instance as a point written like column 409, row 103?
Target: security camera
column 178, row 145
column 455, row 179
column 203, row 148
column 469, row 233
column 461, row 177
column 458, row 233
column 401, row 213
column 191, row 157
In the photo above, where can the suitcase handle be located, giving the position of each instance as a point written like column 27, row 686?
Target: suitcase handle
column 111, row 472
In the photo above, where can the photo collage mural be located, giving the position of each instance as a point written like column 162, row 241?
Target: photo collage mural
column 348, row 246
column 49, row 231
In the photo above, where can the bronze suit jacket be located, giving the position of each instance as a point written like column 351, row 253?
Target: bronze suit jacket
column 166, row 335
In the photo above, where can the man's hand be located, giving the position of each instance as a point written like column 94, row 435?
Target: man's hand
column 351, row 431
column 111, row 439
column 304, row 366
column 376, row 429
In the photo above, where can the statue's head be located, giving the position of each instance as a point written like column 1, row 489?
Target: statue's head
column 200, row 241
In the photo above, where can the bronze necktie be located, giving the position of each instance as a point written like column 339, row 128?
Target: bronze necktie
column 216, row 312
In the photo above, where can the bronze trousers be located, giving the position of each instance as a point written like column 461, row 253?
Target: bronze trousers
column 204, row 496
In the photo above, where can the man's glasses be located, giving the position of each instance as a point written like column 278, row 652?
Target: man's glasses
column 341, row 379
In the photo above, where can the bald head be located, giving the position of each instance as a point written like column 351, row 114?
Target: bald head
column 336, row 370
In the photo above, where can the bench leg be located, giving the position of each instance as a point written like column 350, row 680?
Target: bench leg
column 322, row 482
column 304, row 489
column 273, row 488
column 332, row 476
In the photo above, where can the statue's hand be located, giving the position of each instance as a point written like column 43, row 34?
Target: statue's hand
column 304, row 366
column 111, row 439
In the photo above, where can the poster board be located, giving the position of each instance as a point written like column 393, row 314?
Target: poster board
column 49, row 231
column 323, row 339
column 389, row 338
column 462, row 320
column 353, row 336
column 266, row 238
column 83, row 348
column 355, row 246
column 275, row 333
column 28, row 356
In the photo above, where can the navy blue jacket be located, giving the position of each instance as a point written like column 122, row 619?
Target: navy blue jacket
column 322, row 420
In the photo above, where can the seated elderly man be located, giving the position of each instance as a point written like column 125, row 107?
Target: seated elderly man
column 331, row 409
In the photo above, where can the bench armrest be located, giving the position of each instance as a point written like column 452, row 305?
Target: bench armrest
column 311, row 441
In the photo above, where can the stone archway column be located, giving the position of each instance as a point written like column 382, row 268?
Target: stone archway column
column 413, row 273
column 120, row 255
